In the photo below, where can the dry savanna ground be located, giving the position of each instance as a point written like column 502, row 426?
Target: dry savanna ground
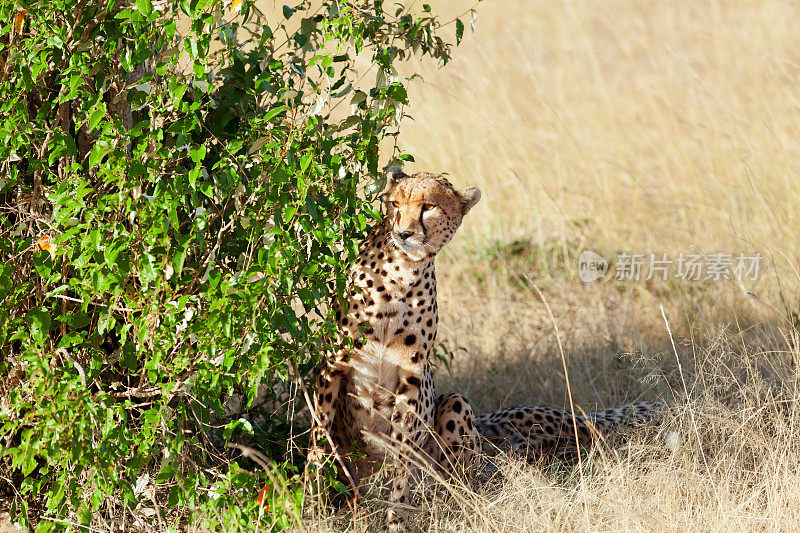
column 622, row 127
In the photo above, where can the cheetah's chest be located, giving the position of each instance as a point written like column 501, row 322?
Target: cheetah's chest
column 391, row 317
column 376, row 371
column 377, row 365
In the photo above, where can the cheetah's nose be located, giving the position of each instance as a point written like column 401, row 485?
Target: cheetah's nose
column 405, row 234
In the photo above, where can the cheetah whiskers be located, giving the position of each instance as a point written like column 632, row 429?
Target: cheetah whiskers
column 428, row 246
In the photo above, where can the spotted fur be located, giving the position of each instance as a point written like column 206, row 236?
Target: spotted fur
column 377, row 396
column 532, row 430
column 375, row 400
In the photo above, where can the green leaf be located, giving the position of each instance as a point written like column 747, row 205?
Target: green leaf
column 398, row 93
column 97, row 115
column 288, row 213
column 79, row 319
column 273, row 112
column 258, row 144
column 305, row 161
column 179, row 258
column 459, row 31
column 172, row 213
column 349, row 122
column 62, row 145
column 174, row 496
column 197, row 153
column 128, row 357
column 110, row 254
column 358, row 97
column 100, row 150
column 45, row 526
column 106, row 322
column 309, row 269
column 39, row 321
column 145, row 7
column 43, row 264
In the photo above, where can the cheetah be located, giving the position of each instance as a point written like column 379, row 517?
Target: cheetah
column 376, row 397
column 533, row 430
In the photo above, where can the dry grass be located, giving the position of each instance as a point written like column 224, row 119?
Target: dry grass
column 623, row 126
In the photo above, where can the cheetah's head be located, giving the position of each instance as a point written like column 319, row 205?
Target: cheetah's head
column 423, row 211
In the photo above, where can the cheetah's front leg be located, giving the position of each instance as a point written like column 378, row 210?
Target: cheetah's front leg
column 326, row 396
column 405, row 421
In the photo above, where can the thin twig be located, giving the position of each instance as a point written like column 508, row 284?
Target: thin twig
column 139, row 393
column 73, row 524
column 63, row 353
column 78, row 300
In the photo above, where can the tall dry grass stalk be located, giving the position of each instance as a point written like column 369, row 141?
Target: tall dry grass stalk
column 635, row 126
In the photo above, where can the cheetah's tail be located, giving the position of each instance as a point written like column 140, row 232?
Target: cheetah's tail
column 540, row 429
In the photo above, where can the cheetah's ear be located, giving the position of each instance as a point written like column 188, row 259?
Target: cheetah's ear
column 469, row 197
column 395, row 174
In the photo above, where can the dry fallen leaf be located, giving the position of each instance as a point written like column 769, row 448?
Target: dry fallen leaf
column 261, row 499
column 46, row 243
column 19, row 21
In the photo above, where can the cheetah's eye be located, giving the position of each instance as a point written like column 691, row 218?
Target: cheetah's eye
column 395, row 204
column 428, row 207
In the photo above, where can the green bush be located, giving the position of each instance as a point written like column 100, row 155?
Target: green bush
column 183, row 185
